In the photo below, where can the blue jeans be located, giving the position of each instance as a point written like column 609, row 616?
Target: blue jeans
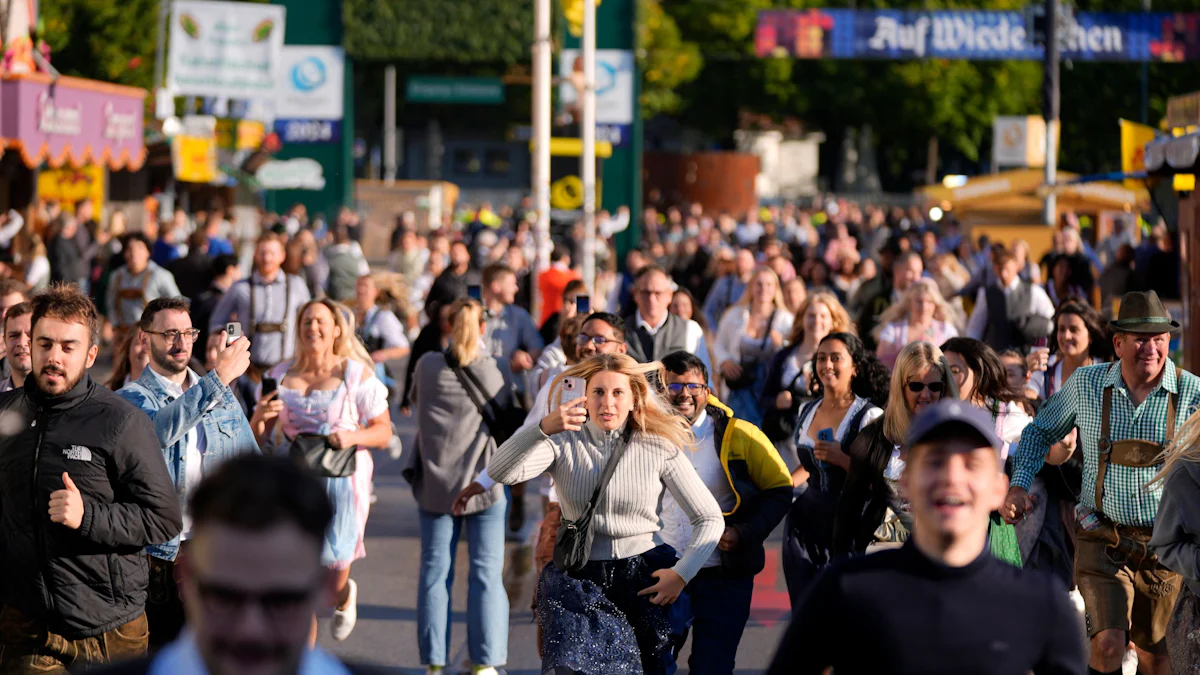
column 716, row 608
column 487, row 601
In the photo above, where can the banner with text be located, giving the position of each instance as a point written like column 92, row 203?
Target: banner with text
column 228, row 49
column 973, row 35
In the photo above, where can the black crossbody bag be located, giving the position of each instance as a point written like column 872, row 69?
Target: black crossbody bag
column 573, row 543
column 501, row 424
column 315, row 452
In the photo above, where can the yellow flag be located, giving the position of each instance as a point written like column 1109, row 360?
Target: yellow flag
column 1134, row 138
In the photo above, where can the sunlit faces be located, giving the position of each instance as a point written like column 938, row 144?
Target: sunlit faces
column 137, row 255
column 818, row 321
column 366, row 294
column 652, row 293
column 609, row 399
column 905, row 271
column 1015, row 372
column 1073, row 337
column 170, row 341
column 18, row 343
column 964, row 377
column 598, row 337
column 318, row 329
column 681, row 305
column 953, row 486
column 834, row 365
column 688, row 393
column 919, row 390
column 764, row 286
column 61, row 354
column 268, row 257
column 1147, row 354
column 922, row 307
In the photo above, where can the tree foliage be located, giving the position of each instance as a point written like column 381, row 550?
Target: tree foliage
column 110, row 40
column 907, row 102
column 667, row 61
column 457, row 31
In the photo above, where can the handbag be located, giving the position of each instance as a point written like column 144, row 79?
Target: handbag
column 750, row 365
column 573, row 542
column 315, row 452
column 501, row 424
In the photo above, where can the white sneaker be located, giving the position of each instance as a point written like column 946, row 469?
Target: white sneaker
column 484, row 670
column 344, row 619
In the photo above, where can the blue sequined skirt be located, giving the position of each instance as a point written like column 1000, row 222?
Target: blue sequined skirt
column 594, row 622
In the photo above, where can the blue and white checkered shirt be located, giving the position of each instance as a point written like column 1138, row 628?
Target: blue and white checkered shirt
column 1127, row 499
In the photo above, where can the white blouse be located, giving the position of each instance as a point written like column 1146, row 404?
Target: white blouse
column 732, row 330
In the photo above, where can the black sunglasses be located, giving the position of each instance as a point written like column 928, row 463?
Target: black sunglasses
column 934, row 387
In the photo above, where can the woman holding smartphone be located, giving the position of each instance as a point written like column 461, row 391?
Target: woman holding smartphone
column 851, row 391
column 1079, row 339
column 610, row 615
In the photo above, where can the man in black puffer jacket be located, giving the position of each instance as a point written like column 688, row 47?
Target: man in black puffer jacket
column 83, row 490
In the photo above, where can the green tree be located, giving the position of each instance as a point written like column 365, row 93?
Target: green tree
column 455, row 31
column 667, row 61
column 110, row 40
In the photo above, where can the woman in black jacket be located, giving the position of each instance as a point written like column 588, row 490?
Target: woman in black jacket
column 870, row 509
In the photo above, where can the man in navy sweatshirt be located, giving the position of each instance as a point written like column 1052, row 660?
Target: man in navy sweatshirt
column 941, row 604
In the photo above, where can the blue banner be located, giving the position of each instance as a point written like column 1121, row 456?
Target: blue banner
column 308, row 131
column 973, row 35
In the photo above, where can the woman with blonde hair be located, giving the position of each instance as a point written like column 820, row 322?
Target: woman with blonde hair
column 1176, row 540
column 749, row 335
column 329, row 390
column 921, row 315
column 379, row 329
column 452, row 447
column 789, row 376
column 872, row 510
column 605, row 611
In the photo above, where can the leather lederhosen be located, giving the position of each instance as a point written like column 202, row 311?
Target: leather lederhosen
column 125, row 294
column 256, row 327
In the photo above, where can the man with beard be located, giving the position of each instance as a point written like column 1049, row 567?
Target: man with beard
column 199, row 423
column 252, row 576
column 18, row 343
column 83, row 489
column 12, row 292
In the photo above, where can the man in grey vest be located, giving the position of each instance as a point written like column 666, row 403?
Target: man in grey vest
column 1010, row 313
column 346, row 264
column 656, row 332
column 266, row 304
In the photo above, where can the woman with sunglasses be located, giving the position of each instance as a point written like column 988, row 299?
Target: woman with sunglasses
column 851, row 390
column 872, row 511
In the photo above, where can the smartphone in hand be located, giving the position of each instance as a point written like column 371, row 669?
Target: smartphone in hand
column 825, row 435
column 269, row 386
column 572, row 388
column 233, row 331
column 475, row 292
column 583, row 305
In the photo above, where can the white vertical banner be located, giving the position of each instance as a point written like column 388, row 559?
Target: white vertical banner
column 311, row 86
column 230, row 49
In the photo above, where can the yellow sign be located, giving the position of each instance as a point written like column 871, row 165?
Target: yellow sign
column 194, row 159
column 573, row 13
column 69, row 186
column 567, row 193
column 240, row 134
column 1134, row 138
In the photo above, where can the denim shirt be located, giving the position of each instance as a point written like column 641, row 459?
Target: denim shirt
column 209, row 403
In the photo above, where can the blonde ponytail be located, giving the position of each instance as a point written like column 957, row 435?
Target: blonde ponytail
column 466, row 329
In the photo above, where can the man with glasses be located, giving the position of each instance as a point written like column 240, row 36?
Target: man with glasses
column 252, row 576
column 602, row 333
column 656, row 331
column 750, row 481
column 199, row 423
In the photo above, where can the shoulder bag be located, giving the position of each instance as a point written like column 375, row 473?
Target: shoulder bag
column 750, row 364
column 573, row 542
column 501, row 424
column 315, row 452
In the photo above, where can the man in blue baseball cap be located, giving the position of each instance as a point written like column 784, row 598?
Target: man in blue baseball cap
column 941, row 603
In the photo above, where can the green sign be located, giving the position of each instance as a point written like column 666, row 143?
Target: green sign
column 423, row 89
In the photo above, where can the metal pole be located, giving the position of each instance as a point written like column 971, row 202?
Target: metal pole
column 389, row 125
column 587, row 133
column 160, row 59
column 1145, row 78
column 542, row 46
column 1050, row 110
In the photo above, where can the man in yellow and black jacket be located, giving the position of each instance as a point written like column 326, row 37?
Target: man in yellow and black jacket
column 754, row 490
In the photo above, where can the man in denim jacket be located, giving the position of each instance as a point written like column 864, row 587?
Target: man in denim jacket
column 199, row 424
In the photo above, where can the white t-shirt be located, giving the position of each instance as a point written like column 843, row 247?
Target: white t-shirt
column 195, row 443
column 676, row 526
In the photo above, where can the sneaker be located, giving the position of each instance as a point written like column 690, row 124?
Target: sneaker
column 484, row 670
column 344, row 619
column 434, row 670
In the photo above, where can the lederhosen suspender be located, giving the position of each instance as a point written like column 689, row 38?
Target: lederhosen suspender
column 280, row 327
column 138, row 294
column 1131, row 452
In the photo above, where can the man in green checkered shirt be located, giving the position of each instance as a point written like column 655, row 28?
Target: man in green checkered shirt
column 1128, row 595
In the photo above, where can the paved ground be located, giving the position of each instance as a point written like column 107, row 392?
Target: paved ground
column 387, row 579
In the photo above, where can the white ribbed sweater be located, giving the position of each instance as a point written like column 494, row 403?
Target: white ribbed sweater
column 626, row 520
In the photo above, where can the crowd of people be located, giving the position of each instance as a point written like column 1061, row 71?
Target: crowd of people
column 867, row 379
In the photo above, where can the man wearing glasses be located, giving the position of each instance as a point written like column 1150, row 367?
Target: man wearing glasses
column 656, row 332
column 199, row 425
column 749, row 480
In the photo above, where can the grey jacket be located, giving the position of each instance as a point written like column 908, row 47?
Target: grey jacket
column 452, row 444
column 1177, row 525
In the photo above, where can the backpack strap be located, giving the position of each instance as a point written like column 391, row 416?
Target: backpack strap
column 854, row 427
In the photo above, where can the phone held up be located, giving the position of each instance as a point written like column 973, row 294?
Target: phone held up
column 475, row 292
column 572, row 388
column 583, row 305
column 269, row 386
column 233, row 331
column 825, row 435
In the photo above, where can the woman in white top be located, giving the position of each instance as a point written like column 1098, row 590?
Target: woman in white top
column 1079, row 340
column 789, row 375
column 37, row 276
column 851, row 390
column 749, row 335
column 982, row 381
column 921, row 315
